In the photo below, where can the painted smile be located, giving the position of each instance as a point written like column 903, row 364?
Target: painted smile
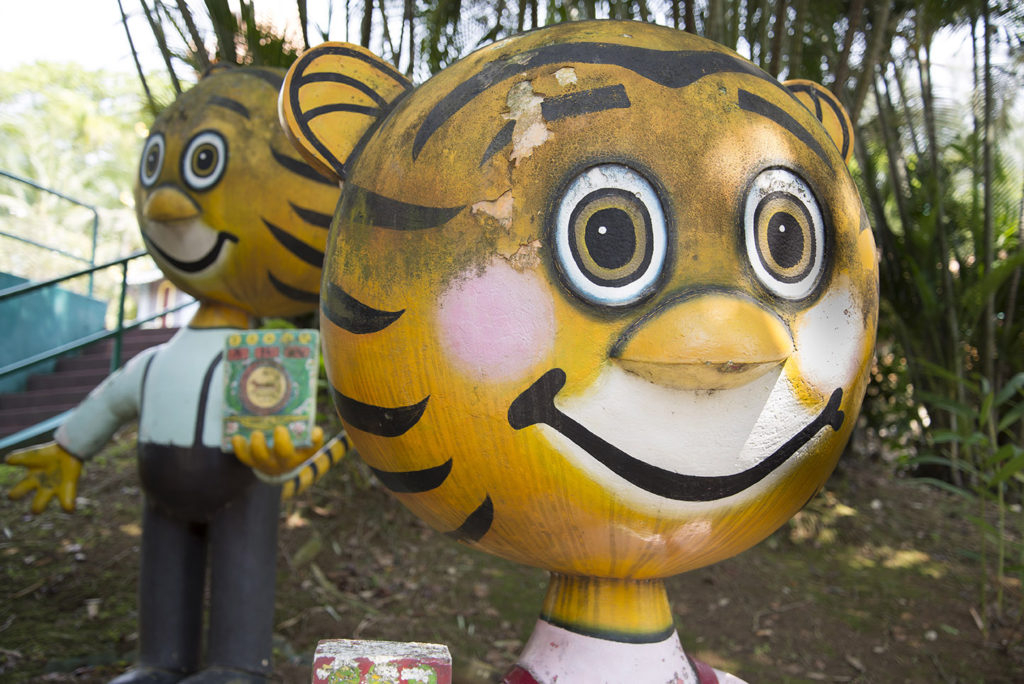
column 198, row 264
column 537, row 405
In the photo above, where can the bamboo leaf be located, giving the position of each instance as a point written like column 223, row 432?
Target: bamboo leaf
column 942, row 461
column 986, row 409
column 1011, row 417
column 946, row 486
column 1012, row 387
column 1013, row 466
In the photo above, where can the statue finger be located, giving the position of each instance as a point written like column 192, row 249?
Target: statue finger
column 19, row 490
column 41, row 499
column 241, row 447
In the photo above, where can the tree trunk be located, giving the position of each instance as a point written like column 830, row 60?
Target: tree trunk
column 715, row 29
column 778, row 33
column 367, row 24
column 937, row 195
column 689, row 15
column 303, row 21
column 796, row 53
column 842, row 70
column 988, row 353
column 878, row 39
column 409, row 17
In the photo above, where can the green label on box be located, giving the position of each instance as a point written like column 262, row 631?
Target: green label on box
column 270, row 380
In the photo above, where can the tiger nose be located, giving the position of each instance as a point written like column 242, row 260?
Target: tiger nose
column 169, row 204
column 713, row 341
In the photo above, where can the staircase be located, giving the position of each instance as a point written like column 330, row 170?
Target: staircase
column 49, row 394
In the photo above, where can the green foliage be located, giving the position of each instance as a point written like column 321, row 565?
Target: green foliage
column 990, row 425
column 79, row 132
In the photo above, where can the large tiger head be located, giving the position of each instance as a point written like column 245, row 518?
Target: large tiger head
column 599, row 298
column 227, row 210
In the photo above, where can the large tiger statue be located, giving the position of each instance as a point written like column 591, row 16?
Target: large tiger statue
column 232, row 215
column 600, row 298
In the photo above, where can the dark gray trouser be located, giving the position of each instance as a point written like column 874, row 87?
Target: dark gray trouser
column 203, row 505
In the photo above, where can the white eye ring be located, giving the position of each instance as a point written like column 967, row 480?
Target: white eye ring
column 152, row 162
column 204, row 160
column 784, row 233
column 619, row 263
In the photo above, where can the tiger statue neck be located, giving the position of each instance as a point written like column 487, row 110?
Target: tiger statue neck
column 217, row 315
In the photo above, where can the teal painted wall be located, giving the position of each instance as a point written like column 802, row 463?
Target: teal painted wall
column 39, row 321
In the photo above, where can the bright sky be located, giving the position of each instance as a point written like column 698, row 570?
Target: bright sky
column 90, row 32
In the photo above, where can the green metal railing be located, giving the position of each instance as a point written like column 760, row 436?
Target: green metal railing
column 95, row 229
column 117, row 333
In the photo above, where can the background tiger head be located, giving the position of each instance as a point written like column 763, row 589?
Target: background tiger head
column 599, row 298
column 227, row 210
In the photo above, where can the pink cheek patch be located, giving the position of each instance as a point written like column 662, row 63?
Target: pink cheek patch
column 496, row 325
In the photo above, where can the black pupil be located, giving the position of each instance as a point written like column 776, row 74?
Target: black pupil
column 610, row 238
column 785, row 239
column 151, row 160
column 205, row 159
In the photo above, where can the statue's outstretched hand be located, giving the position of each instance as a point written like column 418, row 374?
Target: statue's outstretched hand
column 52, row 471
column 282, row 457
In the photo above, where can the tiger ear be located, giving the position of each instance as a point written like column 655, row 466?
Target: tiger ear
column 828, row 110
column 333, row 97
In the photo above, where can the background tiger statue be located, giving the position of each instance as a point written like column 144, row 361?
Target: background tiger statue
column 600, row 298
column 234, row 217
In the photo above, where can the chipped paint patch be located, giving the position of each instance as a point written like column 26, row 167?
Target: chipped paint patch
column 526, row 257
column 565, row 76
column 530, row 130
column 500, row 209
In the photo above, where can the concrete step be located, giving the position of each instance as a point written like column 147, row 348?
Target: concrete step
column 48, row 394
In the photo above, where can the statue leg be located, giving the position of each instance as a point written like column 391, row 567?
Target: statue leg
column 243, row 555
column 172, row 571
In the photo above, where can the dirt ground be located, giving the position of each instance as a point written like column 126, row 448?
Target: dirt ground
column 877, row 580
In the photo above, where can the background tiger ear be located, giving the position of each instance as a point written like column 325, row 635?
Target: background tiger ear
column 828, row 110
column 333, row 97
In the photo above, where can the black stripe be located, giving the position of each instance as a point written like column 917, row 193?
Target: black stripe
column 301, row 168
column 334, row 77
column 499, row 141
column 274, row 79
column 348, row 313
column 362, row 206
column 204, row 392
column 193, row 266
column 378, row 420
column 380, row 65
column 758, row 105
column 414, row 481
column 537, row 405
column 585, row 102
column 476, row 525
column 302, row 119
column 335, row 108
column 311, row 255
column 316, row 470
column 672, row 69
column 312, row 217
column 293, row 292
column 339, row 449
column 234, row 105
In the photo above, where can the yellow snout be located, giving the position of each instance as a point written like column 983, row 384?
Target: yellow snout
column 169, row 204
column 713, row 341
